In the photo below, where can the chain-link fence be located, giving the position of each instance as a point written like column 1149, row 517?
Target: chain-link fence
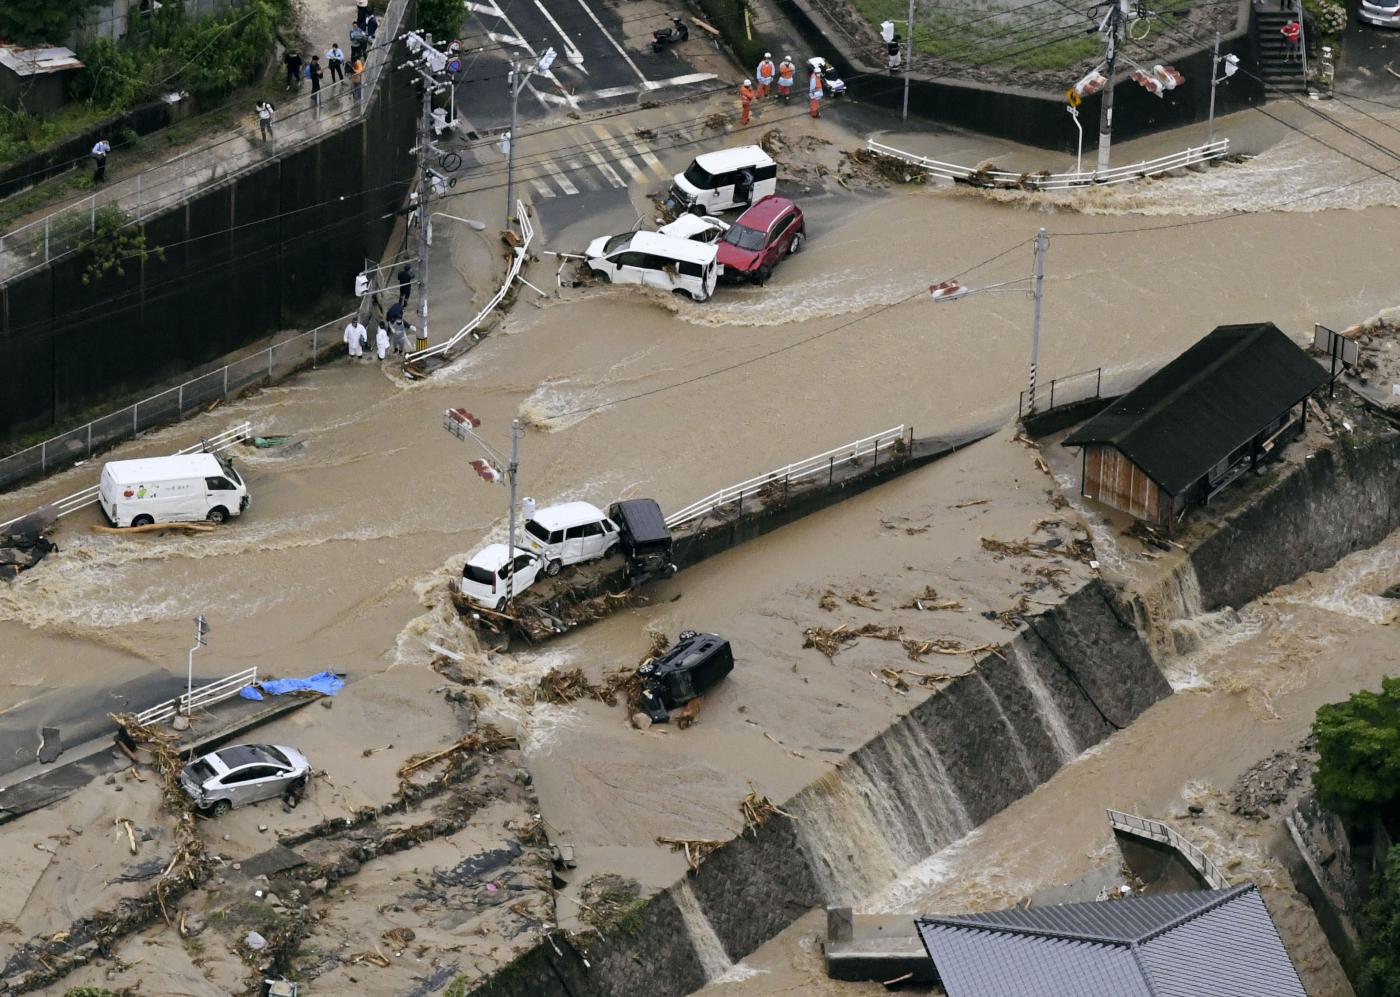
column 173, row 404
column 174, row 181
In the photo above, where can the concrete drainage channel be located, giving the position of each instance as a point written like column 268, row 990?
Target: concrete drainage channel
column 1069, row 679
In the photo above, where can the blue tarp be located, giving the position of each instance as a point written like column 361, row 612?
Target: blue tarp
column 326, row 683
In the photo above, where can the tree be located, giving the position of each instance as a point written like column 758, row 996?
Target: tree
column 39, row 22
column 442, row 18
column 1358, row 744
column 1380, row 945
column 113, row 243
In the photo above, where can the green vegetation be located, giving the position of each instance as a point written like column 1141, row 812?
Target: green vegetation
column 1331, row 18
column 442, row 19
column 458, row 987
column 727, row 16
column 40, row 22
column 1380, row 946
column 1358, row 744
column 112, row 244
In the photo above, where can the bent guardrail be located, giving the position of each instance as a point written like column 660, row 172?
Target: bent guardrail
column 1045, row 180
column 1155, row 830
column 214, row 444
column 205, row 695
column 527, row 234
column 891, row 441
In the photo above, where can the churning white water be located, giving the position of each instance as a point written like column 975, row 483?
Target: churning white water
column 1053, row 718
column 714, row 960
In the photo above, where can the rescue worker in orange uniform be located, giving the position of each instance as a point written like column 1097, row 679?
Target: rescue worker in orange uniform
column 814, row 94
column 786, row 72
column 766, row 71
column 745, row 101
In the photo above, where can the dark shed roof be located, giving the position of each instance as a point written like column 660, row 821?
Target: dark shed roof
column 1217, row 942
column 1187, row 417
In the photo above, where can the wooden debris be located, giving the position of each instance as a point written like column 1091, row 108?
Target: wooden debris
column 828, row 601
column 375, row 958
column 125, row 822
column 928, row 601
column 374, row 751
column 398, row 937
column 696, row 849
column 488, row 738
column 865, row 600
column 965, row 505
column 1152, row 537
column 757, row 811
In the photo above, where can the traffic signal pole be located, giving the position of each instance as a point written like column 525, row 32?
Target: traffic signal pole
column 1113, row 28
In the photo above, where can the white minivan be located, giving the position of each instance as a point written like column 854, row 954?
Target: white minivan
column 178, row 489
column 714, row 182
column 681, row 266
column 570, row 533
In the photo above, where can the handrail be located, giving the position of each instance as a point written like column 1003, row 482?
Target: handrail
column 1155, row 830
column 797, row 471
column 1056, row 181
column 527, row 233
column 205, row 695
column 214, row 444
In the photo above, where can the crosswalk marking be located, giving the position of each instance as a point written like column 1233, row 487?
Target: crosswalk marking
column 604, row 168
column 559, row 178
column 614, row 149
column 586, row 181
column 645, row 153
column 544, row 189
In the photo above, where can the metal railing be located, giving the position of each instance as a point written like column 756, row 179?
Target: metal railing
column 890, row 441
column 86, row 497
column 175, row 180
column 1063, row 391
column 1155, row 830
column 173, row 404
column 205, row 695
column 527, row 234
column 1045, row 180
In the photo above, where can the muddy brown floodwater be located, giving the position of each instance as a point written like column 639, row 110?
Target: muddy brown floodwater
column 353, row 532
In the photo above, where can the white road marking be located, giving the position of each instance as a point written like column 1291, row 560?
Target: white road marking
column 644, row 151
column 614, row 149
column 559, row 178
column 518, row 38
column 515, row 40
column 680, row 81
column 571, row 51
column 544, row 189
column 608, row 92
column 585, row 181
column 621, row 51
column 484, row 8
column 604, row 168
column 553, row 98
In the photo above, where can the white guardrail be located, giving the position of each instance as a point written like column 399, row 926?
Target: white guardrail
column 1155, row 830
column 823, row 463
column 205, row 695
column 88, row 496
column 527, row 234
column 1045, row 180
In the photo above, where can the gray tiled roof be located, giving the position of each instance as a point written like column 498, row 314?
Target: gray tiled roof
column 1217, row 942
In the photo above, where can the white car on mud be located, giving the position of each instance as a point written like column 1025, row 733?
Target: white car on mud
column 485, row 576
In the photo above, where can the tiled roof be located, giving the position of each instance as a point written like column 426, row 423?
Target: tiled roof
column 1216, row 942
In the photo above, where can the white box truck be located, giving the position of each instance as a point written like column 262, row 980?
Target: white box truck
column 179, row 489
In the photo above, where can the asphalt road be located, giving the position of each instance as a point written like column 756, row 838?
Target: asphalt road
column 1366, row 52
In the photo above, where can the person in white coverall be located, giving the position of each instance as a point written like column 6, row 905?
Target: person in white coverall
column 355, row 338
column 381, row 342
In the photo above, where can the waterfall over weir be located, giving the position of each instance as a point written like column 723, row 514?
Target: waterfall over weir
column 1052, row 717
column 714, row 960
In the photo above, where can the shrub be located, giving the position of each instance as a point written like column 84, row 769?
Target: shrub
column 1380, row 944
column 112, row 244
column 1330, row 18
column 1358, row 744
column 442, row 19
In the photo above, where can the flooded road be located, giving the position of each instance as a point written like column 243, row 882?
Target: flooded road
column 353, row 532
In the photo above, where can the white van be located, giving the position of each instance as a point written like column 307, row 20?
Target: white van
column 711, row 182
column 681, row 266
column 179, row 489
column 570, row 533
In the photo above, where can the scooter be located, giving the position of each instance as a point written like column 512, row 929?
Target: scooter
column 669, row 36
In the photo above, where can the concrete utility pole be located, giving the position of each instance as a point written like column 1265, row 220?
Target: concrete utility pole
column 518, row 78
column 1112, row 28
column 1037, row 289
column 425, row 213
column 510, row 473
column 908, row 60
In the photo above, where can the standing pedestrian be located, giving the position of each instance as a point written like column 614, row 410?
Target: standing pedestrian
column 362, row 12
column 381, row 342
column 892, row 54
column 814, row 94
column 314, row 74
column 786, row 72
column 765, row 74
column 395, row 313
column 292, row 60
column 355, row 338
column 405, row 276
column 745, row 101
column 99, row 160
column 1292, row 33
column 357, row 79
column 265, row 110
column 371, row 26
column 335, row 62
column 358, row 42
column 400, row 337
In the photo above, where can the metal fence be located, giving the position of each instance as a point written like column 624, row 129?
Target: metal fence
column 890, row 442
column 1045, row 180
column 205, row 695
column 174, row 181
column 1155, row 830
column 1063, row 391
column 189, row 398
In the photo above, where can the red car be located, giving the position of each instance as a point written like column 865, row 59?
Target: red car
column 763, row 235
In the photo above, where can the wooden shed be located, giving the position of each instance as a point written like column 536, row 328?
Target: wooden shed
column 1230, row 401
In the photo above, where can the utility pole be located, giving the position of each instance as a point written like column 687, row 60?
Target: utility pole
column 513, row 467
column 908, row 59
column 1112, row 27
column 518, row 78
column 425, row 212
column 1037, row 289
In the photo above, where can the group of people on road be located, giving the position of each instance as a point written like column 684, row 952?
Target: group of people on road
column 392, row 331
column 361, row 34
column 781, row 77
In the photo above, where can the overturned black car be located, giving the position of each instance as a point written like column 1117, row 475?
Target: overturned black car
column 686, row 671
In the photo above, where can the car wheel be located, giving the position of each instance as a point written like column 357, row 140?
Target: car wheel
column 762, row 275
column 601, row 274
column 220, row 808
column 796, row 245
column 142, row 521
column 218, row 514
column 552, row 568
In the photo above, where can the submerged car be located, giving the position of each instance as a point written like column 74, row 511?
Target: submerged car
column 484, row 577
column 244, row 773
column 685, row 672
column 763, row 235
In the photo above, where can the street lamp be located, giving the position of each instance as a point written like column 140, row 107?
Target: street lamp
column 951, row 290
column 1232, row 63
column 471, row 223
column 463, row 425
column 518, row 79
